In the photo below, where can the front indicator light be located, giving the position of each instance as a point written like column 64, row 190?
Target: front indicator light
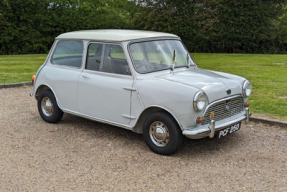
column 199, row 120
column 33, row 78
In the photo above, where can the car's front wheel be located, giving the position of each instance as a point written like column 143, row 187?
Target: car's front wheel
column 162, row 133
column 48, row 107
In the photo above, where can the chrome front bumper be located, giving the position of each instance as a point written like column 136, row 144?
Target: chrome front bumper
column 209, row 130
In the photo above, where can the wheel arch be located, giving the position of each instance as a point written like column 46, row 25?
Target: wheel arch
column 138, row 128
column 45, row 87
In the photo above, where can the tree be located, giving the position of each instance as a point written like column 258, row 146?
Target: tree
column 31, row 26
column 243, row 26
column 168, row 16
column 232, row 26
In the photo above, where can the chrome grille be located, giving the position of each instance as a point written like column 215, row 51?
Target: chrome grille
column 220, row 109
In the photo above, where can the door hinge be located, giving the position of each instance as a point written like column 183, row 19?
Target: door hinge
column 130, row 88
column 128, row 116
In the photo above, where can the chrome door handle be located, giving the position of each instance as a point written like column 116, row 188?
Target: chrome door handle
column 85, row 76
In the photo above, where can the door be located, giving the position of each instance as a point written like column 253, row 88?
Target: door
column 103, row 90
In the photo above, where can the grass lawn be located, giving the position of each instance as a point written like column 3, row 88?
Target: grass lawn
column 267, row 73
column 19, row 68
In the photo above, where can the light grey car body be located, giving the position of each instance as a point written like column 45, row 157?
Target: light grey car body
column 125, row 101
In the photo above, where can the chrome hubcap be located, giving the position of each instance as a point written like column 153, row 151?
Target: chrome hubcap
column 47, row 106
column 159, row 134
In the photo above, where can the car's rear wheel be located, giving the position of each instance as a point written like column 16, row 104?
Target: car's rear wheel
column 48, row 107
column 162, row 133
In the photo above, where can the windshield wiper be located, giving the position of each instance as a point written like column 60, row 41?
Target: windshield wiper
column 173, row 61
column 187, row 60
column 172, row 66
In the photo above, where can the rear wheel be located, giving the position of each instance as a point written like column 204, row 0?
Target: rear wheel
column 48, row 107
column 162, row 133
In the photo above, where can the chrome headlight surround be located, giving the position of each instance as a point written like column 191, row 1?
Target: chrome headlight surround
column 246, row 89
column 200, row 101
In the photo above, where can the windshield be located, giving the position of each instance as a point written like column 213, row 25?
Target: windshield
column 159, row 55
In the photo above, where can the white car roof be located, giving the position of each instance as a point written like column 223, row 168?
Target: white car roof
column 114, row 35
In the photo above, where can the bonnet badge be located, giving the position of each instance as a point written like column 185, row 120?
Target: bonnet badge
column 228, row 91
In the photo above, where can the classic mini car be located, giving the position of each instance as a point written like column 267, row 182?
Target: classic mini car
column 143, row 81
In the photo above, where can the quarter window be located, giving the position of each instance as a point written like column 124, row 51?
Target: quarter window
column 68, row 53
column 107, row 58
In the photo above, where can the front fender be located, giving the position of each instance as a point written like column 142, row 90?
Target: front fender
column 175, row 97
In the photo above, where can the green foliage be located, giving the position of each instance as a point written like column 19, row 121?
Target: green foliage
column 30, row 26
column 169, row 16
column 231, row 26
column 241, row 26
column 283, row 27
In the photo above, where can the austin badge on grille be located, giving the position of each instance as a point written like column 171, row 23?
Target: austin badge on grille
column 227, row 106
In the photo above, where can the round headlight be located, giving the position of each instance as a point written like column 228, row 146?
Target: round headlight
column 199, row 101
column 247, row 89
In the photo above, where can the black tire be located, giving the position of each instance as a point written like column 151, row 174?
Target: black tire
column 174, row 133
column 56, row 114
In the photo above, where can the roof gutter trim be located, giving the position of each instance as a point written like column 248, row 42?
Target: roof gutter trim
column 127, row 40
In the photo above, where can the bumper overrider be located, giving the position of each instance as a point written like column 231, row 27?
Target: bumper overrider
column 214, row 126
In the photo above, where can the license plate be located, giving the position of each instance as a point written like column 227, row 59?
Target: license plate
column 229, row 130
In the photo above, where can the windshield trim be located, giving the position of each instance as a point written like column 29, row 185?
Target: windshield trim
column 178, row 66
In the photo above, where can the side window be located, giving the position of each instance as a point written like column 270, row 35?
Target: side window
column 116, row 52
column 107, row 58
column 94, row 56
column 68, row 53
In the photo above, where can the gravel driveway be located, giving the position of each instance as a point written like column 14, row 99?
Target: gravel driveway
column 81, row 155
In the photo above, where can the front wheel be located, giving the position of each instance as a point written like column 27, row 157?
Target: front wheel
column 48, row 107
column 162, row 133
